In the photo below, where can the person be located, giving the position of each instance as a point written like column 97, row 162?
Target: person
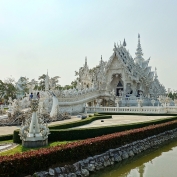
column 31, row 96
column 38, row 96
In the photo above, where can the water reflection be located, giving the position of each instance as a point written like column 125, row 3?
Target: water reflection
column 157, row 162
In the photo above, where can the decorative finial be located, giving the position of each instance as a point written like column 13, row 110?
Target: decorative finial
column 117, row 44
column 85, row 61
column 101, row 57
column 138, row 35
column 114, row 45
column 124, row 43
column 156, row 73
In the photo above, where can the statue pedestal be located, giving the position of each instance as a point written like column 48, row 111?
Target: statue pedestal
column 35, row 144
column 33, row 141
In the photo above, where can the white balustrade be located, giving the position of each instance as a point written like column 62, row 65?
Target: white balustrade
column 149, row 109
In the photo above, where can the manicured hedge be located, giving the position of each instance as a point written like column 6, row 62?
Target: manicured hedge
column 98, row 116
column 81, row 133
column 16, row 137
column 6, row 137
column 80, row 122
column 31, row 161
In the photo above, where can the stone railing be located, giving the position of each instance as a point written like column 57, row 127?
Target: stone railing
column 149, row 109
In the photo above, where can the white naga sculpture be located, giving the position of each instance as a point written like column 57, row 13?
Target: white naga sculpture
column 55, row 107
column 34, row 133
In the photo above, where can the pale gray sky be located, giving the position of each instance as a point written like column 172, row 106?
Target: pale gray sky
column 37, row 35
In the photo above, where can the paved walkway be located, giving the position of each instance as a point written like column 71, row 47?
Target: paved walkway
column 10, row 129
column 122, row 119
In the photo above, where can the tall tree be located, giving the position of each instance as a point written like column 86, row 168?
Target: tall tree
column 41, row 85
column 7, row 89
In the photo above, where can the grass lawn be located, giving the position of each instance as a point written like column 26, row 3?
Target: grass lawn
column 20, row 148
column 6, row 141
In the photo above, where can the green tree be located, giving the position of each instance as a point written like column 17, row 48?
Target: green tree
column 10, row 91
column 74, row 83
column 41, row 85
column 172, row 95
column 7, row 89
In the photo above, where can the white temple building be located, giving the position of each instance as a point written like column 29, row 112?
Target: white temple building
column 122, row 83
column 124, row 76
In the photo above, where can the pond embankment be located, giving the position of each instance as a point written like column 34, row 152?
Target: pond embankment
column 88, row 166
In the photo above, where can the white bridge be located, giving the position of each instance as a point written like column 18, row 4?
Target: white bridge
column 91, row 102
column 76, row 103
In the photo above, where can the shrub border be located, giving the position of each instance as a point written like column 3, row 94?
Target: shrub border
column 81, row 122
column 6, row 137
column 80, row 133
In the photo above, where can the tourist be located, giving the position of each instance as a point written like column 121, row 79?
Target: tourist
column 31, row 96
column 38, row 96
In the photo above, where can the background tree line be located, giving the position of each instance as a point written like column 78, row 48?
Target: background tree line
column 8, row 86
column 172, row 95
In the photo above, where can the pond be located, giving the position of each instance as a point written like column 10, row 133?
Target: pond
column 159, row 162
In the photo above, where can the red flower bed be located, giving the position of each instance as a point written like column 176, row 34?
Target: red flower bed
column 31, row 161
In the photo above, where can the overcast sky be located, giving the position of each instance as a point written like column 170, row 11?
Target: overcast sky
column 37, row 35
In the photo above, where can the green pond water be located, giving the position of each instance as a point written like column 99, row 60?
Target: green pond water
column 159, row 162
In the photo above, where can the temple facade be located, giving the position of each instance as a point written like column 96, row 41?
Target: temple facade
column 123, row 75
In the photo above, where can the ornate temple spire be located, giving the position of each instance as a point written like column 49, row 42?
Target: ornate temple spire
column 124, row 43
column 155, row 77
column 101, row 61
column 139, row 54
column 85, row 61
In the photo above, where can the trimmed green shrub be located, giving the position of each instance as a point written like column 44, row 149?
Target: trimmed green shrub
column 16, row 137
column 6, row 137
column 80, row 122
column 81, row 133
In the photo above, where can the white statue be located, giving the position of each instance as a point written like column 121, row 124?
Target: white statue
column 55, row 107
column 34, row 133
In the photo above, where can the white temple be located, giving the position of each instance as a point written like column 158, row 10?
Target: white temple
column 114, row 85
column 124, row 76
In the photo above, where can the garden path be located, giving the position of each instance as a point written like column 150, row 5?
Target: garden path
column 122, row 119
